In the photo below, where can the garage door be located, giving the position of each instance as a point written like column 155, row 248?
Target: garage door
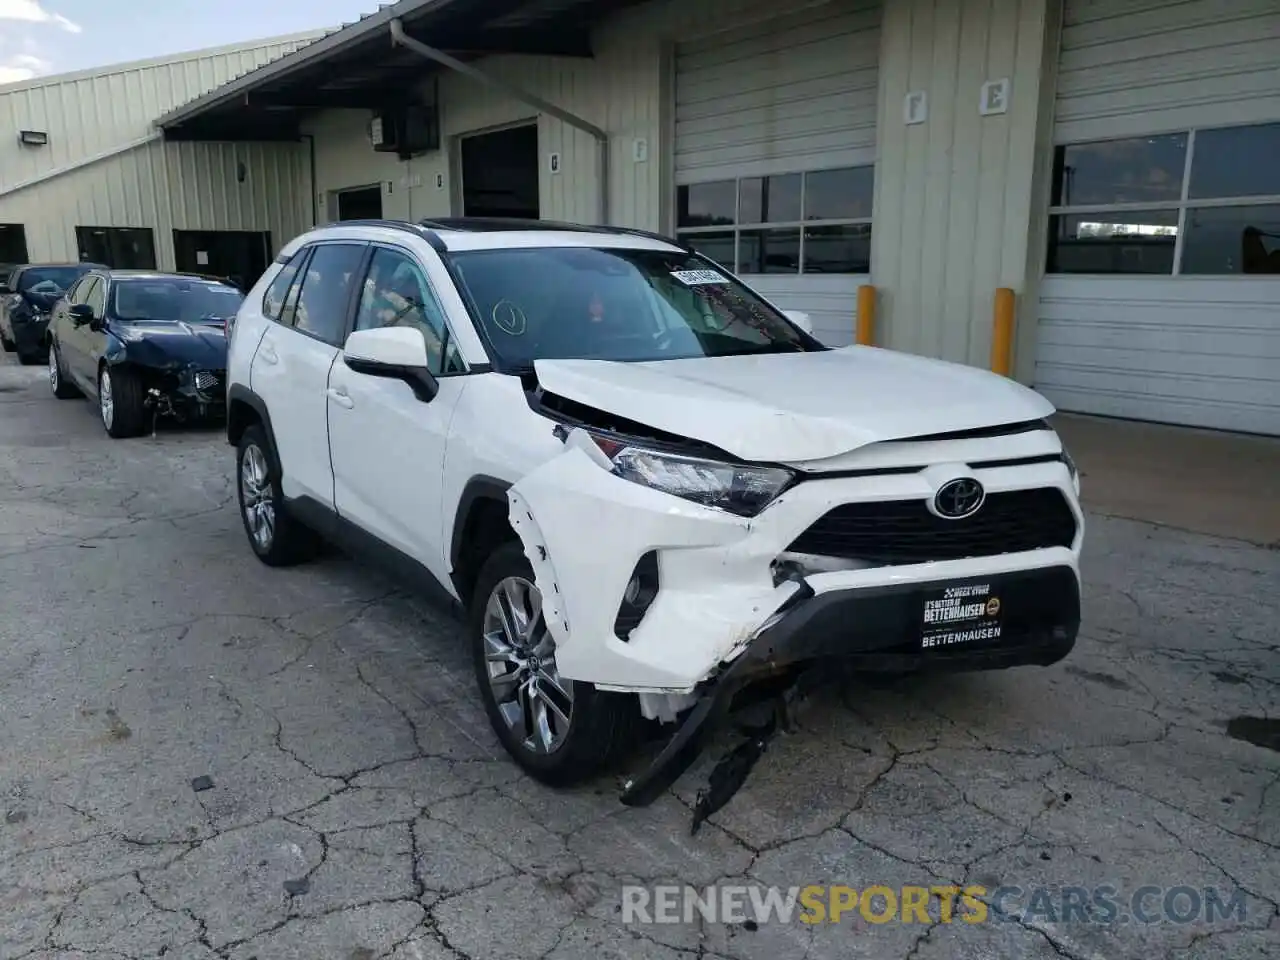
column 1162, row 294
column 775, row 151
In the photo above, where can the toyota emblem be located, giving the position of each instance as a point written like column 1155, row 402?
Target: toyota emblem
column 958, row 499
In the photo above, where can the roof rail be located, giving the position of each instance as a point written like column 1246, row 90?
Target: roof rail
column 514, row 223
column 423, row 229
column 647, row 234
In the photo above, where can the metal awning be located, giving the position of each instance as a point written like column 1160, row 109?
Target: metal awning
column 358, row 66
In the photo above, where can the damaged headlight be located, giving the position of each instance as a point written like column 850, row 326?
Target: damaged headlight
column 738, row 488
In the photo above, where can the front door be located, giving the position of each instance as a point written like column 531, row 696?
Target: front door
column 80, row 343
column 389, row 446
column 241, row 255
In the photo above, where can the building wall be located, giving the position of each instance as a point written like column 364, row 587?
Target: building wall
column 626, row 89
column 955, row 193
column 150, row 184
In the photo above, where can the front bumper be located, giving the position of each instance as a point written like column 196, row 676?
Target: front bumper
column 883, row 630
column 585, row 530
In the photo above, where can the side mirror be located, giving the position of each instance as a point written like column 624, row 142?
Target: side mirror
column 81, row 313
column 800, row 319
column 398, row 353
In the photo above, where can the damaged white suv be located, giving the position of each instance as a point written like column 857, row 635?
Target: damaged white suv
column 647, row 487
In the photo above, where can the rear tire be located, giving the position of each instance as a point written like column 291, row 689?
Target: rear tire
column 277, row 539
column 62, row 388
column 120, row 402
column 29, row 359
column 602, row 725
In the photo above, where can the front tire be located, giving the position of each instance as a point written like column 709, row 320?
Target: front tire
column 560, row 731
column 277, row 539
column 120, row 403
column 62, row 388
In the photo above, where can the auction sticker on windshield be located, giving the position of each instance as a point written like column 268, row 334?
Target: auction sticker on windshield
column 961, row 614
column 692, row 278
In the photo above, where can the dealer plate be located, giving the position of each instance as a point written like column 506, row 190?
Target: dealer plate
column 960, row 615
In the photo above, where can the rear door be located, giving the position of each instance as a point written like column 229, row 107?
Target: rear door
column 290, row 369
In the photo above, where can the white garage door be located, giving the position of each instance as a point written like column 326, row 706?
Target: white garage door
column 1162, row 294
column 775, row 152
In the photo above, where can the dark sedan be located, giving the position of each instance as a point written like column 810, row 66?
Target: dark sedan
column 28, row 294
column 144, row 345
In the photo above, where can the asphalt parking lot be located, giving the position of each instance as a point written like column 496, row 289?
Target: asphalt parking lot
column 360, row 806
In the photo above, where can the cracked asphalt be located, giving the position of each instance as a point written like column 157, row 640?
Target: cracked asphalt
column 361, row 808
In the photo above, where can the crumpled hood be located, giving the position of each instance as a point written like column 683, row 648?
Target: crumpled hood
column 180, row 344
column 793, row 407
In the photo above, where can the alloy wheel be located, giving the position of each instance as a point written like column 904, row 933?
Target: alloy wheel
column 105, row 400
column 256, row 497
column 53, row 368
column 533, row 699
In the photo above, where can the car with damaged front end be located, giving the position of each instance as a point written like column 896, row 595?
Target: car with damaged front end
column 28, row 294
column 144, row 345
column 651, row 492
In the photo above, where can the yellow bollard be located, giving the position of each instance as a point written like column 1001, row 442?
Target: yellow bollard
column 866, row 319
column 1002, row 333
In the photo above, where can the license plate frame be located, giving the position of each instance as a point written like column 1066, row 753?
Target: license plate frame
column 961, row 615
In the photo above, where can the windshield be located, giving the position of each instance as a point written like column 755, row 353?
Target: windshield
column 629, row 305
column 51, row 280
column 174, row 300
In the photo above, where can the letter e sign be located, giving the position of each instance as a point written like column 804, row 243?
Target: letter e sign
column 995, row 98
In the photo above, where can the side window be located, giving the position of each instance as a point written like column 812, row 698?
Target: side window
column 95, row 296
column 326, row 289
column 79, row 290
column 273, row 300
column 396, row 293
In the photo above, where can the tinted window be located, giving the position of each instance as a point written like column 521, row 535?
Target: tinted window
column 163, row 300
column 396, row 293
column 1232, row 240
column 839, row 194
column 770, row 199
column 1137, row 242
column 1140, row 170
column 326, row 291
column 628, row 305
column 79, row 290
column 769, row 251
column 273, row 300
column 707, row 204
column 1237, row 162
column 838, row 249
column 48, row 279
column 96, row 296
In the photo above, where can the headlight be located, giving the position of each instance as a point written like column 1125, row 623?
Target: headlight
column 738, row 488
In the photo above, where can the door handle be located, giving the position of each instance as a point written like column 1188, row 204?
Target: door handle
column 268, row 354
column 340, row 398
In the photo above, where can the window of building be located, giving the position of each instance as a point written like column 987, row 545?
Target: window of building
column 1203, row 202
column 818, row 221
column 13, row 247
column 325, row 296
column 124, row 248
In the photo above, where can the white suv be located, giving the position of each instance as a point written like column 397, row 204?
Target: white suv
column 646, row 486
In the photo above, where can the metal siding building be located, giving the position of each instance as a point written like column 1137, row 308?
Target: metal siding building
column 937, row 151
column 104, row 165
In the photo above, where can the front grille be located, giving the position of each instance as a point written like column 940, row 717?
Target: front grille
column 206, row 380
column 904, row 531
